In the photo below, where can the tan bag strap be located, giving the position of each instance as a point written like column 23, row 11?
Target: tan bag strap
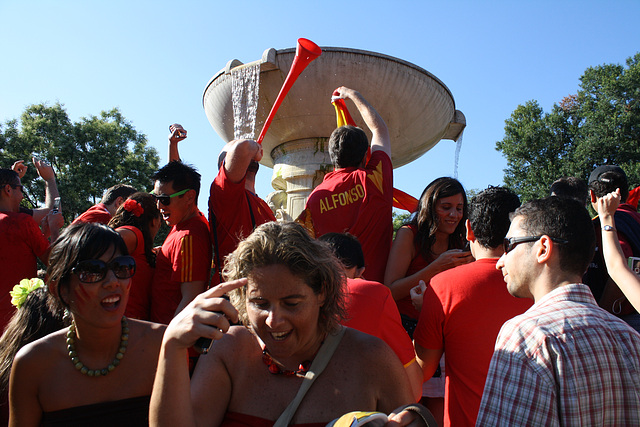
column 319, row 363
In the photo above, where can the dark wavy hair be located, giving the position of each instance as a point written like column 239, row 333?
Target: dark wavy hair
column 40, row 315
column 425, row 218
column 561, row 218
column 289, row 244
column 143, row 222
column 78, row 242
column 489, row 215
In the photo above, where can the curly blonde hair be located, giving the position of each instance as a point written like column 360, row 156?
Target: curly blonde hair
column 289, row 244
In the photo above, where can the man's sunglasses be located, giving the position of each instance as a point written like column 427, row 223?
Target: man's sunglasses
column 95, row 270
column 166, row 200
column 511, row 242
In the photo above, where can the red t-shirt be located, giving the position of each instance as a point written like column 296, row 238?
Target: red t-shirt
column 21, row 242
column 232, row 204
column 96, row 213
column 463, row 311
column 139, row 303
column 627, row 249
column 358, row 201
column 372, row 310
column 185, row 256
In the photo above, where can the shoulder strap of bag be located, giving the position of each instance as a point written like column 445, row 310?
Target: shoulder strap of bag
column 319, row 363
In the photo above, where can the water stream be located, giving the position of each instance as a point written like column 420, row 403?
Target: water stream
column 457, row 155
column 245, row 83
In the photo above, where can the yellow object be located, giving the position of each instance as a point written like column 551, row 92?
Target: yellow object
column 21, row 290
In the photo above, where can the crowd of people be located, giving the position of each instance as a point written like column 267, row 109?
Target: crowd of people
column 479, row 312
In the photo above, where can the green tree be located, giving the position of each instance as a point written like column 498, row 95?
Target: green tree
column 598, row 125
column 399, row 219
column 88, row 156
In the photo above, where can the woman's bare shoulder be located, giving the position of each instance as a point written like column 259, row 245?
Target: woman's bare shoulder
column 41, row 352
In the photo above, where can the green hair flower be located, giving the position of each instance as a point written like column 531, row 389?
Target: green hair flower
column 21, row 290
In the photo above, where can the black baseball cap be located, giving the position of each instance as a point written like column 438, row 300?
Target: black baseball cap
column 595, row 175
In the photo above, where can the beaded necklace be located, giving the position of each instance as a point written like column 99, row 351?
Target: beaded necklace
column 73, row 355
column 273, row 367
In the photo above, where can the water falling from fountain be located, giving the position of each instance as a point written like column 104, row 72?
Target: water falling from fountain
column 244, row 86
column 457, row 155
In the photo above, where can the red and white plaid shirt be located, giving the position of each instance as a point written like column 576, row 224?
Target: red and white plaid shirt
column 564, row 362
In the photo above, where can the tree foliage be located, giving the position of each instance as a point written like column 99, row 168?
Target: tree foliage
column 598, row 125
column 88, row 156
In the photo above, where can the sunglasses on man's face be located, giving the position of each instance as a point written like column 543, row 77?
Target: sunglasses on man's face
column 95, row 270
column 510, row 243
column 166, row 199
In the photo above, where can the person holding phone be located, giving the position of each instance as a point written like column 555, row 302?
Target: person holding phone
column 287, row 290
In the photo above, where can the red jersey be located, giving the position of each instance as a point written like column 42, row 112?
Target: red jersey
column 139, row 303
column 372, row 310
column 185, row 256
column 232, row 206
column 358, row 201
column 462, row 312
column 21, row 242
column 96, row 213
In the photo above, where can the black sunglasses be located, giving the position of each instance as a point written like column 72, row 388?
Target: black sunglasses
column 166, row 199
column 95, row 270
column 511, row 242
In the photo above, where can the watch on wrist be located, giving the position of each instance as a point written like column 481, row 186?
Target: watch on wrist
column 608, row 228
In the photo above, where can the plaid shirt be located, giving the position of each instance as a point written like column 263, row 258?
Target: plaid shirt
column 564, row 362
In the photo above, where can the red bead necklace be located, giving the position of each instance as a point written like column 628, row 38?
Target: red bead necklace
column 273, row 367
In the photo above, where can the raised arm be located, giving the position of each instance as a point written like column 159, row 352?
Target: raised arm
column 51, row 188
column 616, row 262
column 178, row 133
column 380, row 139
column 240, row 153
column 171, row 399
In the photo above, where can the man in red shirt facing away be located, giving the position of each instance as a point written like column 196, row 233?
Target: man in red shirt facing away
column 358, row 196
column 464, row 307
column 111, row 201
column 184, row 260
column 370, row 307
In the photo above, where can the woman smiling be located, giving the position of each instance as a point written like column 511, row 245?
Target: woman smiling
column 100, row 370
column 288, row 294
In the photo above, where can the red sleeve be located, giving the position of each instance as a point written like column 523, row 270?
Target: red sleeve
column 39, row 243
column 393, row 333
column 380, row 171
column 428, row 333
column 189, row 264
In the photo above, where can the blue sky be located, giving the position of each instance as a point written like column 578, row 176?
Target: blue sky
column 153, row 59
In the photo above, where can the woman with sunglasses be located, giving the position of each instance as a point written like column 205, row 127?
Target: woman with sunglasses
column 137, row 221
column 99, row 370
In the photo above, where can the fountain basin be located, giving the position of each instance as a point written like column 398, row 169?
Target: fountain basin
column 417, row 107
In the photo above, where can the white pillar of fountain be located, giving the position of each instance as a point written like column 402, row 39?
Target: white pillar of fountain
column 299, row 166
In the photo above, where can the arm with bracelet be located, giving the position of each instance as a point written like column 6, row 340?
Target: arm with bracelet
column 614, row 259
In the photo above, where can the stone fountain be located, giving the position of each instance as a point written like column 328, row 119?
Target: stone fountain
column 417, row 107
